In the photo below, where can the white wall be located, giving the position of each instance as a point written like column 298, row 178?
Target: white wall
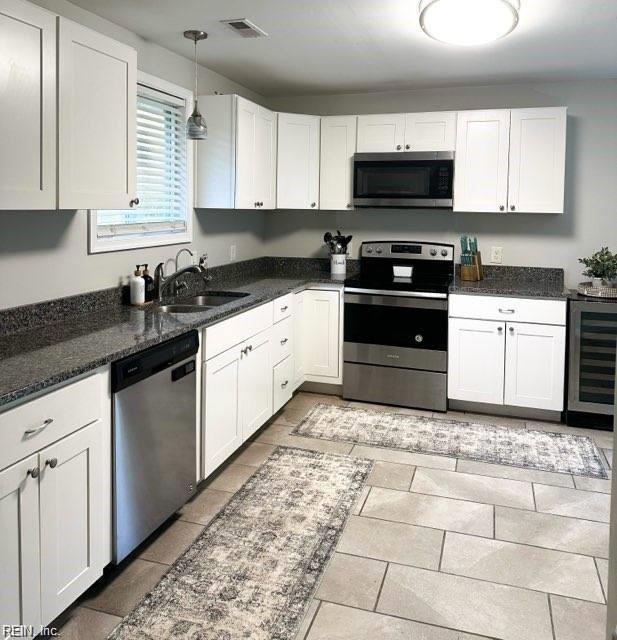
column 590, row 220
column 44, row 254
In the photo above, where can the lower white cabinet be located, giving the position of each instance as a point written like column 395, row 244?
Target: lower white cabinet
column 322, row 335
column 299, row 342
column 255, row 387
column 282, row 383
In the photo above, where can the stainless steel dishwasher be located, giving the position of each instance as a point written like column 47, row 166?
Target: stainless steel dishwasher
column 154, row 438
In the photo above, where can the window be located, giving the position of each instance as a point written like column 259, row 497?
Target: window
column 164, row 213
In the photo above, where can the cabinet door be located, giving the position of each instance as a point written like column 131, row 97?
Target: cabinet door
column 282, row 377
column 381, row 132
column 338, row 145
column 299, row 339
column 27, row 107
column 246, row 126
column 537, row 160
column 72, row 495
column 475, row 360
column 322, row 335
column 535, row 365
column 97, row 91
column 20, row 589
column 481, row 163
column 256, row 383
column 265, row 158
column 298, row 162
column 434, row 131
column 222, row 432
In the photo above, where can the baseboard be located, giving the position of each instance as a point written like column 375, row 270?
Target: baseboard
column 322, row 387
column 505, row 410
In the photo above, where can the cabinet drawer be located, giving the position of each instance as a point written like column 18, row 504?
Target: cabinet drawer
column 49, row 418
column 508, row 309
column 226, row 334
column 282, row 340
column 283, row 383
column 282, row 307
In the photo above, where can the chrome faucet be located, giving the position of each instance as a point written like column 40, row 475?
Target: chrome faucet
column 161, row 280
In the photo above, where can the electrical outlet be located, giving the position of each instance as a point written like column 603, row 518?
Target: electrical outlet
column 496, row 255
column 232, row 253
column 350, row 249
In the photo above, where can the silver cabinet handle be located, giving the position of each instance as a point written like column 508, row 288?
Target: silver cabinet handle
column 283, row 309
column 250, row 347
column 511, row 329
column 52, row 463
column 35, row 430
column 244, row 351
column 398, row 147
column 313, row 205
column 512, row 207
column 501, row 208
column 507, row 311
column 284, row 340
column 134, row 202
column 33, row 473
column 499, row 329
column 407, row 146
column 284, row 384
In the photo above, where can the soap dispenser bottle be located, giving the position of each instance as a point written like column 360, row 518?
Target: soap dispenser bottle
column 137, row 287
column 149, row 284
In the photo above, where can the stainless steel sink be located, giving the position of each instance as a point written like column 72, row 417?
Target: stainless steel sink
column 198, row 303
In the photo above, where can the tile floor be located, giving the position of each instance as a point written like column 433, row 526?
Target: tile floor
column 436, row 549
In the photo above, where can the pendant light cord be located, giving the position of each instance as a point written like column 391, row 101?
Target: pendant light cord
column 195, row 61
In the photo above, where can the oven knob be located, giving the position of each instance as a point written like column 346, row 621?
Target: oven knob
column 419, row 338
column 433, row 252
column 444, row 252
column 378, row 250
column 369, row 250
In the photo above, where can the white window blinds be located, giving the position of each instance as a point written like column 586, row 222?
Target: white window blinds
column 161, row 172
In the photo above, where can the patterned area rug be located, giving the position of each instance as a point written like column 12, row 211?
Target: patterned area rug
column 559, row 452
column 253, row 570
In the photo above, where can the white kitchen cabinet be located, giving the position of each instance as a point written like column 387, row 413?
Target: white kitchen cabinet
column 535, row 365
column 381, row 132
column 256, row 383
column 432, row 131
column 20, row 597
column 265, row 158
column 27, row 106
column 481, row 162
column 97, row 89
column 221, row 408
column 282, row 377
column 322, row 339
column 297, row 185
column 299, row 342
column 476, row 360
column 246, row 128
column 338, row 145
column 537, row 160
column 72, row 488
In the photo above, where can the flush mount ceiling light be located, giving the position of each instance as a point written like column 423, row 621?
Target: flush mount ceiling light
column 468, row 22
column 196, row 128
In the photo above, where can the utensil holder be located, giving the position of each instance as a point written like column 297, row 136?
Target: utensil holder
column 473, row 272
column 338, row 264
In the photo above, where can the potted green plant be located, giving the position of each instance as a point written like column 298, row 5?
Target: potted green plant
column 601, row 267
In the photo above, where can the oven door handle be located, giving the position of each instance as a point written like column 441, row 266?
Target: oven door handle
column 398, row 294
column 440, row 304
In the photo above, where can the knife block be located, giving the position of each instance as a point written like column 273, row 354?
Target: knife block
column 473, row 272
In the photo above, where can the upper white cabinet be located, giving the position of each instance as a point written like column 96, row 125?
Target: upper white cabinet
column 481, row 161
column 537, row 160
column 96, row 120
column 381, row 132
column 432, row 131
column 236, row 164
column 298, row 161
column 338, row 145
column 27, row 106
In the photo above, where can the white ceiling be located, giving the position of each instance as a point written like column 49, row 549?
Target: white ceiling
column 336, row 46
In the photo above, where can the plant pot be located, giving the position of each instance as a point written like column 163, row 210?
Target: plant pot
column 338, row 264
column 596, row 283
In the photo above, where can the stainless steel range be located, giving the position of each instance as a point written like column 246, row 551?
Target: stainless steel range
column 396, row 325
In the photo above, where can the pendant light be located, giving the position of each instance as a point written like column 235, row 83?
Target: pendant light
column 196, row 128
column 468, row 22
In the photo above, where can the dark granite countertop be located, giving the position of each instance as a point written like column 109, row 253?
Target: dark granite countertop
column 95, row 329
column 517, row 282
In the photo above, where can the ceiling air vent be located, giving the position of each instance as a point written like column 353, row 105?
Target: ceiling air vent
column 245, row 28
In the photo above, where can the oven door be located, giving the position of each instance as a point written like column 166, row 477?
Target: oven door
column 404, row 179
column 396, row 331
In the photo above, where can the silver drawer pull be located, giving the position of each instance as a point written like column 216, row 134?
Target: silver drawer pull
column 34, row 472
column 284, row 340
column 283, row 309
column 52, row 463
column 35, row 430
column 284, row 384
column 507, row 311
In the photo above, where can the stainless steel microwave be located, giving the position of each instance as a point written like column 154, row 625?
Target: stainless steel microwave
column 408, row 179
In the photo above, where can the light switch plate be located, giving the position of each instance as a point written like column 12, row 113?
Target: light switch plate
column 232, row 252
column 496, row 255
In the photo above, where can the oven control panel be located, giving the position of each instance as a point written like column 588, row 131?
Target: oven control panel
column 408, row 251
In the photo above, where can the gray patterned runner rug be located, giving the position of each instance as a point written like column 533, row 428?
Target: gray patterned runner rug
column 559, row 452
column 251, row 573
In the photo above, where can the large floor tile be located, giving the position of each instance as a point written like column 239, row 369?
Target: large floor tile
column 297, row 408
column 81, row 623
column 608, row 454
column 357, row 508
column 204, row 506
column 575, row 620
column 571, row 502
column 474, row 606
column 255, row 454
column 592, row 484
column 232, row 478
column 335, row 622
column 518, row 565
column 430, row 511
column 515, row 473
column 168, row 545
column 603, row 572
column 307, row 621
column 391, row 475
column 465, row 486
column 119, row 592
column 352, row 581
column 392, row 541
column 552, row 532
column 404, row 457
